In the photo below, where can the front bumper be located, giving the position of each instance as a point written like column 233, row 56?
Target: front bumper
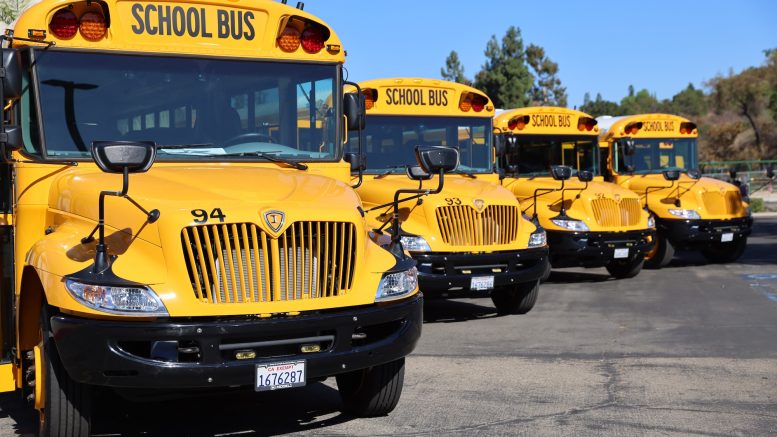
column 443, row 273
column 126, row 354
column 696, row 233
column 595, row 249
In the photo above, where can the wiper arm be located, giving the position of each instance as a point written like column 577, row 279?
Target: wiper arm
column 271, row 158
column 185, row 146
column 465, row 173
column 389, row 169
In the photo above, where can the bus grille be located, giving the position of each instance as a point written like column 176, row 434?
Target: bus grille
column 611, row 213
column 240, row 263
column 462, row 225
column 718, row 203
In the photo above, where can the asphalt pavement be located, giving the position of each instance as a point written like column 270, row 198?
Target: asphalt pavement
column 690, row 349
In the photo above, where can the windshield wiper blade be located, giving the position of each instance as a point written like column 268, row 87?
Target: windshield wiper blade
column 271, row 158
column 465, row 173
column 389, row 170
column 185, row 146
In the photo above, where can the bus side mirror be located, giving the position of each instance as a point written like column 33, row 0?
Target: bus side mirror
column 358, row 162
column 436, row 159
column 124, row 156
column 770, row 172
column 671, row 175
column 416, row 173
column 561, row 172
column 732, row 173
column 12, row 138
column 628, row 147
column 585, row 176
column 353, row 108
column 12, row 81
column 694, row 173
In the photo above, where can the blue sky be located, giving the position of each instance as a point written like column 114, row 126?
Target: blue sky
column 600, row 46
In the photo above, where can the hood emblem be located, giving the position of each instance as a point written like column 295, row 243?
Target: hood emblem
column 480, row 204
column 274, row 219
column 617, row 197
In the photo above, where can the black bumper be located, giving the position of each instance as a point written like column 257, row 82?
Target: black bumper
column 444, row 273
column 696, row 233
column 595, row 249
column 122, row 354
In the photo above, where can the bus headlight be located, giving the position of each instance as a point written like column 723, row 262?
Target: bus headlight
column 651, row 221
column 397, row 285
column 538, row 238
column 415, row 244
column 685, row 213
column 125, row 301
column 572, row 225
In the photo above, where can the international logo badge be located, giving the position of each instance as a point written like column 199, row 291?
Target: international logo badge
column 479, row 205
column 274, row 219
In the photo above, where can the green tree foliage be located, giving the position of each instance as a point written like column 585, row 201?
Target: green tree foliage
column 10, row 9
column 690, row 102
column 640, row 102
column 505, row 77
column 600, row 106
column 453, row 69
column 547, row 89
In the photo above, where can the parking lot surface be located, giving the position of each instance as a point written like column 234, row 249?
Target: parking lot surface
column 687, row 350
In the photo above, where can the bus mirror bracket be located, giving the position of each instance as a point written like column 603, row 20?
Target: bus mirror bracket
column 358, row 162
column 355, row 113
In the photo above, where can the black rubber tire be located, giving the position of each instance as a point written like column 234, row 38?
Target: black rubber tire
column 663, row 254
column 546, row 274
column 518, row 300
column 624, row 269
column 374, row 391
column 68, row 404
column 725, row 252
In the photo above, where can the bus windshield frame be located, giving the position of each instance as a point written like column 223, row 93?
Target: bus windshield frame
column 400, row 134
column 656, row 155
column 203, row 109
column 552, row 150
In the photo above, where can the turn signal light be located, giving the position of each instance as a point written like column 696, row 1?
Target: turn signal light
column 290, row 39
column 64, row 24
column 518, row 122
column 92, row 26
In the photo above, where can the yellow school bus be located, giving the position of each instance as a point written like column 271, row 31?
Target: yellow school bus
column 589, row 222
column 655, row 155
column 470, row 239
column 177, row 214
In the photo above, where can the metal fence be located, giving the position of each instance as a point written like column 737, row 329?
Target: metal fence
column 750, row 175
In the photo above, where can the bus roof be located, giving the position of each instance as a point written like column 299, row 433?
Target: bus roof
column 647, row 126
column 230, row 28
column 545, row 120
column 417, row 96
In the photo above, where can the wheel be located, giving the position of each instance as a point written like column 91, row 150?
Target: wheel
column 661, row 254
column 628, row 268
column 374, row 391
column 67, row 404
column 725, row 252
column 518, row 300
column 546, row 274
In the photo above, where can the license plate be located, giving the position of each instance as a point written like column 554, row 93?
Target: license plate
column 728, row 236
column 621, row 253
column 274, row 376
column 482, row 283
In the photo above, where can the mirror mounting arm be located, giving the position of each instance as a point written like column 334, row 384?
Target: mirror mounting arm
column 657, row 188
column 395, row 237
column 361, row 134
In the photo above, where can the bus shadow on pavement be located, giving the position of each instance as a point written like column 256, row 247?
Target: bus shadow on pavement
column 451, row 311
column 24, row 417
column 571, row 277
column 290, row 411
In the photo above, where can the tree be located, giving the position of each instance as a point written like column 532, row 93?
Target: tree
column 10, row 9
column 547, row 88
column 640, row 103
column 689, row 102
column 747, row 94
column 453, row 70
column 505, row 76
column 599, row 106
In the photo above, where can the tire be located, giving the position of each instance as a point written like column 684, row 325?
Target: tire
column 624, row 269
column 661, row 255
column 518, row 300
column 372, row 392
column 725, row 252
column 68, row 404
column 546, row 274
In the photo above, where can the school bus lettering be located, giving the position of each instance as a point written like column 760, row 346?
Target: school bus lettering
column 550, row 120
column 416, row 97
column 658, row 126
column 179, row 21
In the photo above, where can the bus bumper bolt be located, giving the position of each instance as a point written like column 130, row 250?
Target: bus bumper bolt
column 210, row 379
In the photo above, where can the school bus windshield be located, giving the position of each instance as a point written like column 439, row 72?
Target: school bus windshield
column 657, row 155
column 390, row 141
column 533, row 155
column 194, row 109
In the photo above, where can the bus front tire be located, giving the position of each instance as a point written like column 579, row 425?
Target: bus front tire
column 374, row 391
column 67, row 403
column 725, row 252
column 517, row 300
column 661, row 254
column 624, row 269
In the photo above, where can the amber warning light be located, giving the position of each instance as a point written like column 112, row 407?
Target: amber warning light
column 518, row 122
column 310, row 36
column 65, row 24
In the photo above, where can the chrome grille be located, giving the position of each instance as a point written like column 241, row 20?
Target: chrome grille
column 462, row 225
column 611, row 213
column 240, row 263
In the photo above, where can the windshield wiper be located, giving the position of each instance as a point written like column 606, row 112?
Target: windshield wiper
column 185, row 146
column 271, row 158
column 465, row 173
column 389, row 170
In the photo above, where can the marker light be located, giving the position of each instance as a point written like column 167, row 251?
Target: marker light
column 313, row 39
column 64, row 24
column 290, row 39
column 518, row 122
column 92, row 26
